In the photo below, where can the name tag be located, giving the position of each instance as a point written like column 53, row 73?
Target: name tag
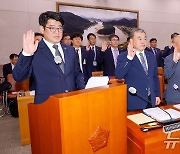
column 94, row 63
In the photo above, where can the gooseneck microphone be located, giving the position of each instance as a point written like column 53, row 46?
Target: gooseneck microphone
column 133, row 91
column 175, row 86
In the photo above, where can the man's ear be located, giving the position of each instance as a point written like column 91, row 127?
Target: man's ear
column 41, row 28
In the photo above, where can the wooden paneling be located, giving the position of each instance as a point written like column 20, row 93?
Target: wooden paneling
column 65, row 122
column 24, row 118
column 151, row 142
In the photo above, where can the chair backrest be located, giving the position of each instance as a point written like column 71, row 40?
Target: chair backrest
column 161, row 82
column 18, row 86
column 98, row 73
column 160, row 71
column 1, row 70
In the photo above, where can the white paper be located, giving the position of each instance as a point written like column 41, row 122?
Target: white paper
column 97, row 81
column 140, row 118
column 32, row 93
column 177, row 106
column 161, row 115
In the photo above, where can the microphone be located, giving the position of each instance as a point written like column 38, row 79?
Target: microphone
column 175, row 86
column 133, row 91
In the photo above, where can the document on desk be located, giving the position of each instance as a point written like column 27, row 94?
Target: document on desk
column 140, row 118
column 177, row 106
column 161, row 115
column 97, row 81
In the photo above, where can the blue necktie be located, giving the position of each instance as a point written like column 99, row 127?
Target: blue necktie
column 143, row 63
column 57, row 54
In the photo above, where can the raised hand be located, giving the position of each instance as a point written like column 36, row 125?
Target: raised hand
column 176, row 55
column 29, row 46
column 104, row 46
column 130, row 50
column 88, row 47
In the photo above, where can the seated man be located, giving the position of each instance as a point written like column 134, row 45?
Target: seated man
column 7, row 68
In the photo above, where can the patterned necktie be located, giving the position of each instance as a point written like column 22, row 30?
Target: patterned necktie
column 143, row 63
column 59, row 57
column 154, row 50
column 115, row 56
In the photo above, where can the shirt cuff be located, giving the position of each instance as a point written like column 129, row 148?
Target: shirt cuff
column 129, row 57
column 26, row 54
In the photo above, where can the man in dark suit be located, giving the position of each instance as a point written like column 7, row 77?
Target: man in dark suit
column 169, row 49
column 109, row 55
column 172, row 72
column 139, row 69
column 93, row 53
column 54, row 66
column 7, row 68
column 156, row 51
column 82, row 55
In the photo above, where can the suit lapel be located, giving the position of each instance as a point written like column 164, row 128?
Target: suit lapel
column 47, row 53
column 66, row 57
column 149, row 60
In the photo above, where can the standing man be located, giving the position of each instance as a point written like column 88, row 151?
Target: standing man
column 169, row 49
column 53, row 65
column 7, row 68
column 66, row 39
column 109, row 55
column 139, row 69
column 172, row 72
column 94, row 53
column 82, row 55
column 156, row 51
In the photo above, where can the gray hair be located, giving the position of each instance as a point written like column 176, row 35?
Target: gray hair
column 131, row 35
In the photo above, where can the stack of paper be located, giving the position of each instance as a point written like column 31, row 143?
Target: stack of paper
column 140, row 118
column 160, row 115
column 97, row 81
column 177, row 106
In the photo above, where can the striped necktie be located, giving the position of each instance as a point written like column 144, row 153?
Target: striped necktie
column 58, row 58
column 143, row 63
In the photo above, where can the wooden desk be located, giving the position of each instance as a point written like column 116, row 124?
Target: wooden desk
column 151, row 142
column 24, row 118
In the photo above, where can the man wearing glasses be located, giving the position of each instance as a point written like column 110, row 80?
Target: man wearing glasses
column 54, row 66
column 109, row 55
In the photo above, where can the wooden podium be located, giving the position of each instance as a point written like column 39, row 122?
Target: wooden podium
column 81, row 122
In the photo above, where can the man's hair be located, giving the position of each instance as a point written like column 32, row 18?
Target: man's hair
column 131, row 35
column 90, row 34
column 76, row 34
column 44, row 17
column 153, row 39
column 38, row 34
column 12, row 56
column 174, row 35
column 112, row 36
column 66, row 34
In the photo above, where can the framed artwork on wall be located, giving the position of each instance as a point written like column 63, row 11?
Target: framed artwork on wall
column 102, row 21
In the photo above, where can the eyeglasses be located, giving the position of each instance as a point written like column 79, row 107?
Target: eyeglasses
column 53, row 29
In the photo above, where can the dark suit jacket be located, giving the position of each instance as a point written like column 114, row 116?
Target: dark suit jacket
column 48, row 77
column 172, row 72
column 7, row 69
column 86, row 65
column 91, row 59
column 158, row 56
column 108, row 62
column 134, row 75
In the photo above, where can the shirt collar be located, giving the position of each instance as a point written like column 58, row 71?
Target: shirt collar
column 138, row 52
column 50, row 44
